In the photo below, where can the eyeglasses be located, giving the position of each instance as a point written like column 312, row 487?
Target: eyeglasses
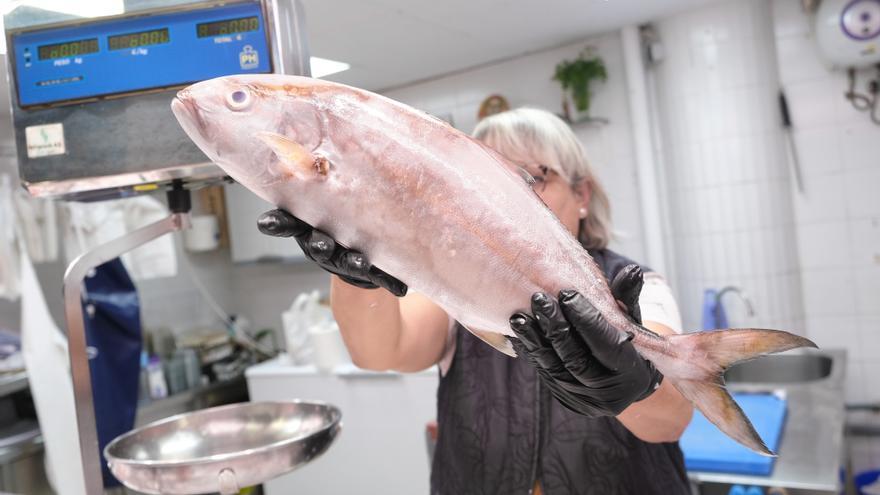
column 541, row 177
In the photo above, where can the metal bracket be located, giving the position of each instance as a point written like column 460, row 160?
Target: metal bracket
column 76, row 336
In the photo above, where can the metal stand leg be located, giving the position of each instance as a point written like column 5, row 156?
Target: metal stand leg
column 76, row 337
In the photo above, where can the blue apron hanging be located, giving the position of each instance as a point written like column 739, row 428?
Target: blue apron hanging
column 113, row 329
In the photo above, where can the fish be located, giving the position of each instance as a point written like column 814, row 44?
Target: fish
column 440, row 211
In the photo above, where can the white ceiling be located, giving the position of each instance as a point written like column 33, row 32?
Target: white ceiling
column 393, row 42
column 390, row 43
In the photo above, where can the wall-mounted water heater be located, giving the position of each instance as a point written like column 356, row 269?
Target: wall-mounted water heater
column 848, row 32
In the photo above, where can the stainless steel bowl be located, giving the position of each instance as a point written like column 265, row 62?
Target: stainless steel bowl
column 224, row 448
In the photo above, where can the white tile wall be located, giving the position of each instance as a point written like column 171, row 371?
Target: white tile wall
column 838, row 217
column 727, row 172
column 819, row 246
column 857, row 140
column 175, row 303
column 862, row 200
column 263, row 291
column 526, row 81
column 864, row 239
column 258, row 292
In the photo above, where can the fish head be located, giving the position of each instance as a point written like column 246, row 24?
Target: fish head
column 260, row 129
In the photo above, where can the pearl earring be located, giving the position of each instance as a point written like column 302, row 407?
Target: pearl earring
column 582, row 212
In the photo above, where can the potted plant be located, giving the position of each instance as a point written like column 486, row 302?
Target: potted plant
column 575, row 77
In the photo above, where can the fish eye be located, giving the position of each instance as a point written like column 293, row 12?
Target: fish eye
column 239, row 99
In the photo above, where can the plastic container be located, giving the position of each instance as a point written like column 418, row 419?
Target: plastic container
column 156, row 379
column 193, row 367
column 203, row 234
column 144, row 378
column 868, row 482
column 745, row 490
column 175, row 374
column 329, row 348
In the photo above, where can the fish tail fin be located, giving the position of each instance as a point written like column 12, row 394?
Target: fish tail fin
column 709, row 354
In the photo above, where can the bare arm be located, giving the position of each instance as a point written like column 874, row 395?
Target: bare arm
column 381, row 330
column 384, row 332
column 662, row 416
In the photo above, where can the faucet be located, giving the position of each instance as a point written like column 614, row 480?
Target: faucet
column 742, row 295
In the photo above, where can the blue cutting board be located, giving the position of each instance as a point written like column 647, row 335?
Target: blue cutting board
column 707, row 449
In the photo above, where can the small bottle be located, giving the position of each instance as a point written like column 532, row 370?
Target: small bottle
column 175, row 374
column 193, row 368
column 156, row 379
column 144, row 378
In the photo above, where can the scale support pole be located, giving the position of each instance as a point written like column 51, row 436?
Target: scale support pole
column 76, row 336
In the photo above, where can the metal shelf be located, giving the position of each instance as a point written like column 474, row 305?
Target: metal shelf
column 13, row 382
column 215, row 394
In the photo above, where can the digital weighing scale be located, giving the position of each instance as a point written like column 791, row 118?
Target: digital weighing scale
column 90, row 97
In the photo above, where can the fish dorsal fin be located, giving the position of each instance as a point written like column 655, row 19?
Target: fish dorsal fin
column 494, row 339
column 298, row 160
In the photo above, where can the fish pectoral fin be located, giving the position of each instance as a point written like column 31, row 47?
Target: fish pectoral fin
column 298, row 161
column 494, row 339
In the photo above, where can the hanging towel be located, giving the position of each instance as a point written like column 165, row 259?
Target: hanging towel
column 45, row 354
column 10, row 262
column 93, row 224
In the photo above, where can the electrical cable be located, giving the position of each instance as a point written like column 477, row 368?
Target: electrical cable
column 858, row 100
column 229, row 320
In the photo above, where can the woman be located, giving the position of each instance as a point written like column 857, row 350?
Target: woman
column 614, row 424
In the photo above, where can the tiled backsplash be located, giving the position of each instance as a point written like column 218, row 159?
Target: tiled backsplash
column 726, row 169
column 259, row 292
column 838, row 215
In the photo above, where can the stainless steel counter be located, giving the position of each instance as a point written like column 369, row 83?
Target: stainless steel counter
column 811, row 450
column 215, row 394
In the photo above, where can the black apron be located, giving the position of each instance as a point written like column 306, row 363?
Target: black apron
column 499, row 430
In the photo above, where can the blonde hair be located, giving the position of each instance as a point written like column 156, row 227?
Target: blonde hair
column 537, row 136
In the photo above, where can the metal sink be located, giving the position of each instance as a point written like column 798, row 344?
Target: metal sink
column 800, row 368
column 811, row 380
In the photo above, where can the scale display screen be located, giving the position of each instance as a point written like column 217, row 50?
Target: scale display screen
column 134, row 40
column 231, row 26
column 124, row 55
column 68, row 49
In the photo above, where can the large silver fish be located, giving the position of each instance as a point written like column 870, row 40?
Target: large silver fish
column 441, row 212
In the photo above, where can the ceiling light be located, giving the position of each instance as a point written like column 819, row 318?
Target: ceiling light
column 91, row 8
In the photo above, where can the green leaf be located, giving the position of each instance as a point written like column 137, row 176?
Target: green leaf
column 577, row 75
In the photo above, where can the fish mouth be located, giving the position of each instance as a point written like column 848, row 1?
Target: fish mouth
column 188, row 113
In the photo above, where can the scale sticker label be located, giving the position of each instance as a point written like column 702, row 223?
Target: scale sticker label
column 248, row 58
column 44, row 140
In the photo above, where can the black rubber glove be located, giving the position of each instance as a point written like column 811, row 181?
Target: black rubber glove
column 351, row 266
column 590, row 367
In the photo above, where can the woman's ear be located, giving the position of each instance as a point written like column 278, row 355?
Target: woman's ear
column 583, row 191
